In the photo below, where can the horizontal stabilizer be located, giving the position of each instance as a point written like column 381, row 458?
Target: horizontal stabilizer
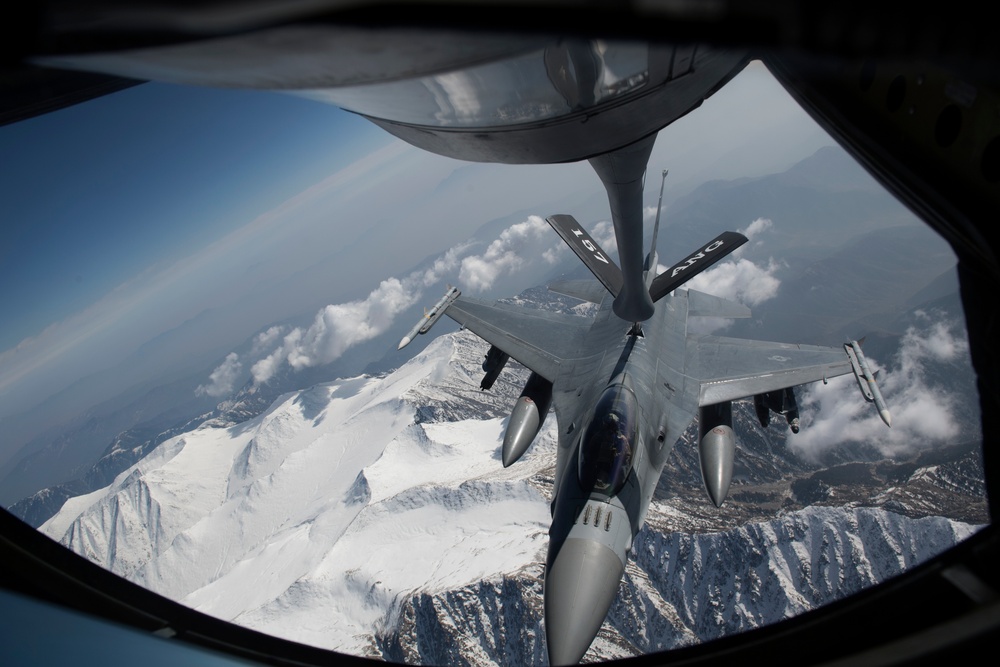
column 695, row 263
column 585, row 290
column 586, row 248
column 707, row 305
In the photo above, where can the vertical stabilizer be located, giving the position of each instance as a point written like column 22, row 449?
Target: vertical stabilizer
column 652, row 257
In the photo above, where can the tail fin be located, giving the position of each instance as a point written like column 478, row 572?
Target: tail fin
column 651, row 257
column 586, row 248
column 695, row 263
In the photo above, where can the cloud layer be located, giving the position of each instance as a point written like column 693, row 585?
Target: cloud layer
column 222, row 379
column 756, row 228
column 739, row 280
column 339, row 327
column 923, row 412
column 516, row 245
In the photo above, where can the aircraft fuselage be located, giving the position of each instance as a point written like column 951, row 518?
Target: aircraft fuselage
column 610, row 457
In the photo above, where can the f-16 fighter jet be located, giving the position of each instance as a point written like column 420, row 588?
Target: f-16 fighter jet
column 624, row 389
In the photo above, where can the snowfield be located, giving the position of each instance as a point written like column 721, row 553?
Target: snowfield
column 312, row 520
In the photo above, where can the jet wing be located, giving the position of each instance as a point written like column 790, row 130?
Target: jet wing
column 532, row 337
column 731, row 368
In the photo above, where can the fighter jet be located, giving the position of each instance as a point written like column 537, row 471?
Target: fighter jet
column 624, row 390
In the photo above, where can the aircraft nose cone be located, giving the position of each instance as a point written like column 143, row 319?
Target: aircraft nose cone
column 580, row 585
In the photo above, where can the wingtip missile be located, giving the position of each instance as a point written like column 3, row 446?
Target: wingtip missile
column 866, row 380
column 430, row 317
column 405, row 340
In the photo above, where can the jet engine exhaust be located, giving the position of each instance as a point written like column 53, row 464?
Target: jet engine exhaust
column 717, row 446
column 526, row 418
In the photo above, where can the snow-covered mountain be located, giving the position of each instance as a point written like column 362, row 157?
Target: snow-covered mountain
column 372, row 516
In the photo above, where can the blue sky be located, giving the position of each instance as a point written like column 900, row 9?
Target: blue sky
column 96, row 193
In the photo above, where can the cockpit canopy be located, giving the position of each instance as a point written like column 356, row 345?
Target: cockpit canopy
column 607, row 448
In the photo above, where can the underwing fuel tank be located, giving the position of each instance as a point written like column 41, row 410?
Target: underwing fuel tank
column 526, row 418
column 717, row 446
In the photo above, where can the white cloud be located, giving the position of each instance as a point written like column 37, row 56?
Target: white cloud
column 221, row 380
column 753, row 232
column 339, row 327
column 939, row 343
column 521, row 245
column 741, row 281
column 604, row 233
column 443, row 265
column 507, row 254
column 265, row 339
column 736, row 279
column 556, row 253
column 757, row 227
column 923, row 414
column 264, row 370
